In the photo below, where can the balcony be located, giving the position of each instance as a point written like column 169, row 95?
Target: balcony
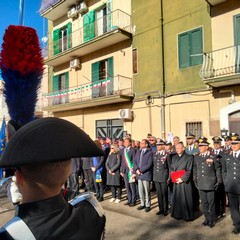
column 221, row 67
column 55, row 9
column 109, row 91
column 106, row 31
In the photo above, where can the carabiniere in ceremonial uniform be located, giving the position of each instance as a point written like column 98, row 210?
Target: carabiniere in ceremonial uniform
column 161, row 166
column 207, row 177
column 231, row 179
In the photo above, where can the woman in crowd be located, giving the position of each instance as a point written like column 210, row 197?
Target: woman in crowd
column 113, row 174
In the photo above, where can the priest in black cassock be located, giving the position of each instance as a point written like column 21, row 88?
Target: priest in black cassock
column 181, row 176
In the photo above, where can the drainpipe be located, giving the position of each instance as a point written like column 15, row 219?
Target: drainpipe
column 163, row 132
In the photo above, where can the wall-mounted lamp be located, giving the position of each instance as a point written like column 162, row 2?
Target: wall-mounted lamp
column 149, row 100
column 123, row 52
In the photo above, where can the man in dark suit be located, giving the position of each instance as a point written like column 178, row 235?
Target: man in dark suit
column 143, row 168
column 126, row 156
column 207, row 177
column 161, row 164
column 231, row 179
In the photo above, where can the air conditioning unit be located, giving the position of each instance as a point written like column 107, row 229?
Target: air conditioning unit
column 72, row 13
column 75, row 63
column 125, row 113
column 82, row 8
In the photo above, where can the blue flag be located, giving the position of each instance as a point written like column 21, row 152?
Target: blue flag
column 2, row 141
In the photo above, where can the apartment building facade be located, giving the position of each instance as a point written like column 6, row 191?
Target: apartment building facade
column 142, row 66
column 90, row 66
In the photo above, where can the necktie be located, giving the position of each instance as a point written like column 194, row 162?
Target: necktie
column 190, row 148
column 235, row 155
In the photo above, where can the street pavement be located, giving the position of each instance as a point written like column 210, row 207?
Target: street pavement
column 128, row 223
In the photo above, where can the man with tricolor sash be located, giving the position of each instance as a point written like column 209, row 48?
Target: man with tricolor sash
column 127, row 155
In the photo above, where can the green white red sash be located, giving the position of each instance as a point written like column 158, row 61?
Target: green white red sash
column 129, row 165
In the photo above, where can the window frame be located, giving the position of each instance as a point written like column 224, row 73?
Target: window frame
column 190, row 46
column 195, row 128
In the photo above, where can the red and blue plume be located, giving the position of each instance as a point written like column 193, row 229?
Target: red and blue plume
column 21, row 65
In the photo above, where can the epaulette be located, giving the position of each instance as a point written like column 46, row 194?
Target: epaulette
column 88, row 196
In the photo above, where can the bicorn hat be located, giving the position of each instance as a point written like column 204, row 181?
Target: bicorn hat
column 47, row 140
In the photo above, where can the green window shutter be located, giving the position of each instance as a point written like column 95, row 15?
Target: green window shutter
column 55, row 86
column 196, row 46
column 110, row 68
column 236, row 22
column 183, row 50
column 109, row 15
column 89, row 26
column 69, row 34
column 95, row 72
column 56, row 41
column 66, row 80
column 95, row 80
column 110, row 76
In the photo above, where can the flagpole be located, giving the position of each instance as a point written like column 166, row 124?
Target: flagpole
column 21, row 12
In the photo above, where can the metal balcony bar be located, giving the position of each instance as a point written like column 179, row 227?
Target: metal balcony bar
column 115, row 20
column 220, row 63
column 116, row 86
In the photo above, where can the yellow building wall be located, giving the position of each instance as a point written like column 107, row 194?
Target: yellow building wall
column 222, row 24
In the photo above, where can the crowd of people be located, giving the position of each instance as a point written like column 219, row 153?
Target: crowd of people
column 183, row 175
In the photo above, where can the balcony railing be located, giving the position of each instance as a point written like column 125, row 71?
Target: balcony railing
column 116, row 86
column 115, row 20
column 221, row 63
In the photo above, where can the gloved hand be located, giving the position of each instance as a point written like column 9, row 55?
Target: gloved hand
column 16, row 196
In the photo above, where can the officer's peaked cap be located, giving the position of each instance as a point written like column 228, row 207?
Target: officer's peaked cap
column 235, row 138
column 216, row 139
column 189, row 135
column 160, row 142
column 46, row 140
column 202, row 141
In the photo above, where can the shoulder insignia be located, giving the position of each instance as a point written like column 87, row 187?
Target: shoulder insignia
column 88, row 196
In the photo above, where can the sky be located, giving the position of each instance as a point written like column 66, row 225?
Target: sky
column 10, row 16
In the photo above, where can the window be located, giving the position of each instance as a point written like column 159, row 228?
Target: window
column 60, row 88
column 190, row 48
column 102, row 78
column 135, row 61
column 110, row 128
column 62, row 39
column 97, row 21
column 194, row 128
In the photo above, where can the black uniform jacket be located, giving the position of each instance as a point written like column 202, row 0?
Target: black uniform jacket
column 206, row 174
column 231, row 173
column 54, row 218
column 161, row 165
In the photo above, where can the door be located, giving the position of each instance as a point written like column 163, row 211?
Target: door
column 234, row 120
column 109, row 128
column 101, row 22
